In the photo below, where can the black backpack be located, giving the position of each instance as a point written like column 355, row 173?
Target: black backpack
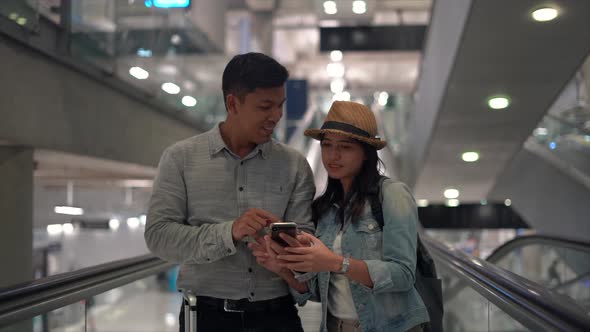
column 428, row 285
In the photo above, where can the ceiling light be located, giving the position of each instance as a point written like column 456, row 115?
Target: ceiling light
column 142, row 219
column 359, row 7
column 335, row 69
column 114, row 224
column 507, row 202
column 54, row 229
column 336, row 55
column 175, row 39
column 470, row 157
column 451, row 193
column 342, row 96
column 139, row 73
column 498, row 103
column 171, row 88
column 21, row 21
column 337, row 85
column 13, row 16
column 330, row 7
column 69, row 210
column 544, row 14
column 422, row 202
column 483, row 202
column 383, row 97
column 540, row 131
column 189, row 101
column 133, row 222
column 452, row 202
column 68, row 228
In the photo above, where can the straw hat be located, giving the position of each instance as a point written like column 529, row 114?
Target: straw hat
column 350, row 119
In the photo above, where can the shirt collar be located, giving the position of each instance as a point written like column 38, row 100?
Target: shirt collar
column 216, row 144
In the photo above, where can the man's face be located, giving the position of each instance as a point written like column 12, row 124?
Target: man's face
column 258, row 113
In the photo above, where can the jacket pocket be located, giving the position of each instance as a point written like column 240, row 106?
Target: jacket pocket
column 371, row 238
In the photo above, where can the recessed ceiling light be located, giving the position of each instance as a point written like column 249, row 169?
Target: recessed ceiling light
column 189, row 101
column 451, row 193
column 337, row 85
column 452, row 202
column 114, row 223
column 342, row 96
column 422, row 202
column 470, row 157
column 498, row 103
column 544, row 14
column 171, row 88
column 139, row 73
column 330, row 7
column 359, row 7
column 336, row 55
column 507, row 202
column 335, row 69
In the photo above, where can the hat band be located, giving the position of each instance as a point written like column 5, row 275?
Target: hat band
column 346, row 128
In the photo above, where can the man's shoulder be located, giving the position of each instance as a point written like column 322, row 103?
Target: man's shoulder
column 189, row 144
column 282, row 150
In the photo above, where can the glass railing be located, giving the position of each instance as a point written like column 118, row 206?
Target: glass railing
column 479, row 296
column 139, row 294
column 567, row 138
column 109, row 297
column 559, row 264
column 132, row 46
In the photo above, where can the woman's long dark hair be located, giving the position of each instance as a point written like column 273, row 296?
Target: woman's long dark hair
column 364, row 184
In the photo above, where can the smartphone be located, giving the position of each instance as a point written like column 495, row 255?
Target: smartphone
column 289, row 228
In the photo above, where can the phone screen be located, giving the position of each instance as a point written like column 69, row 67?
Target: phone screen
column 276, row 228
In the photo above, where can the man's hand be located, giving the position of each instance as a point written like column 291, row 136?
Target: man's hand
column 250, row 223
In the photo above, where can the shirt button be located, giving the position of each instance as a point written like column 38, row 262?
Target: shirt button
column 241, row 163
column 250, row 270
column 371, row 226
column 229, row 251
column 252, row 294
column 241, row 188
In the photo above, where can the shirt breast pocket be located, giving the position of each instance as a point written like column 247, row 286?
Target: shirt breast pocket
column 276, row 197
column 371, row 237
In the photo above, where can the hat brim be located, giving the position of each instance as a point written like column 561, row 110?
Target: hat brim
column 317, row 134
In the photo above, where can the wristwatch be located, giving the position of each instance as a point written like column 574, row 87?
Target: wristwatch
column 345, row 264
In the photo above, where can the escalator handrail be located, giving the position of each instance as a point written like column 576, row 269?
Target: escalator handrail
column 529, row 303
column 27, row 300
column 521, row 241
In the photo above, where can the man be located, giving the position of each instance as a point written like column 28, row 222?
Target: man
column 216, row 191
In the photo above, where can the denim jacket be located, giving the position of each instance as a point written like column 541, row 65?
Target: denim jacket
column 393, row 304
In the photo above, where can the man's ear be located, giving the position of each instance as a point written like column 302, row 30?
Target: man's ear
column 232, row 101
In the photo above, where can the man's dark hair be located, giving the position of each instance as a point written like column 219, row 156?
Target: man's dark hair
column 246, row 72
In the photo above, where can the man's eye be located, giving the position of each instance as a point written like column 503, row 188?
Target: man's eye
column 265, row 108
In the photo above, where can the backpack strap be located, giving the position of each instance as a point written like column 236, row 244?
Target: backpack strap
column 424, row 262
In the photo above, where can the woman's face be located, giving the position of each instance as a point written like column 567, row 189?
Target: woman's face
column 342, row 156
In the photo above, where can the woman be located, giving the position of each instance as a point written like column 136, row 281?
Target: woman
column 365, row 274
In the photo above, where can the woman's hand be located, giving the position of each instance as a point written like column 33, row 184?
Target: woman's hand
column 314, row 258
column 266, row 256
